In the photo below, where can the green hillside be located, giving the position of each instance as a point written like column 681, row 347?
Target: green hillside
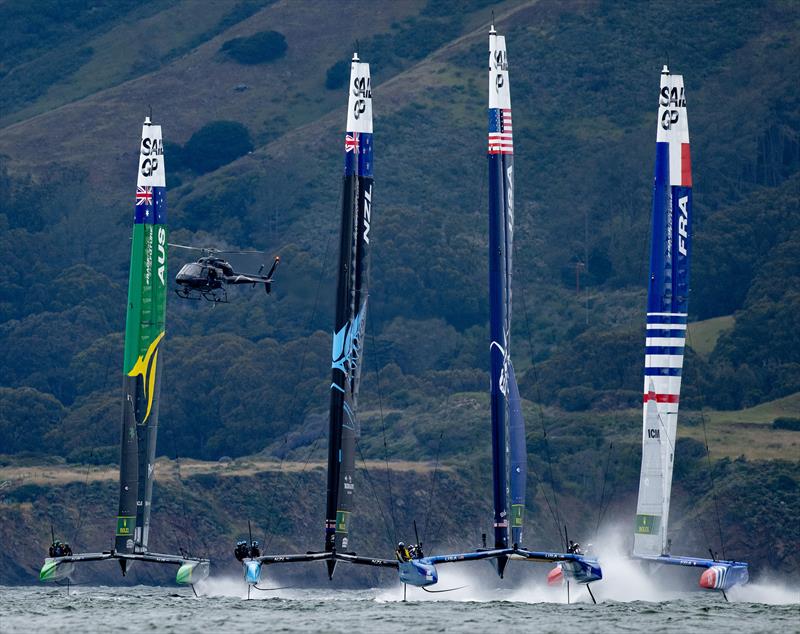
column 251, row 376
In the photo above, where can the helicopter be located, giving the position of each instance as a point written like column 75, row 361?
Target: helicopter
column 209, row 276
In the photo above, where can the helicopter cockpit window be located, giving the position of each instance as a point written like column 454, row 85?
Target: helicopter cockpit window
column 194, row 270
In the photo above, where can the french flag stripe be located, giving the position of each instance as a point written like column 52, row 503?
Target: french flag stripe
column 686, row 166
column 661, row 398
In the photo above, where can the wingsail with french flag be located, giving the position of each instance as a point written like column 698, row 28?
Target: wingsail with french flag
column 667, row 315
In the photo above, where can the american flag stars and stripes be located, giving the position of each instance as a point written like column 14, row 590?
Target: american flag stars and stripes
column 500, row 131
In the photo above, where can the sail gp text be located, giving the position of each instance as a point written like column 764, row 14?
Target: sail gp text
column 672, row 99
column 151, row 150
column 362, row 89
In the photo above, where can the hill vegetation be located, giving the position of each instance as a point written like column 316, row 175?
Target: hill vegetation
column 260, row 168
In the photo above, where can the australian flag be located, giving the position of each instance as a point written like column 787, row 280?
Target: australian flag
column 151, row 205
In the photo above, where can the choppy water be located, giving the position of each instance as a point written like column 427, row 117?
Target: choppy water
column 223, row 608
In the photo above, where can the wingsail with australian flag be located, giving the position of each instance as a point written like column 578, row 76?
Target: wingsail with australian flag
column 141, row 382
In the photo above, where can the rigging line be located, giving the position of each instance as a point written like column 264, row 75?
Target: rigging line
column 82, row 502
column 708, row 460
column 374, row 355
column 713, row 488
column 603, row 491
column 433, row 487
column 296, row 480
column 539, row 481
column 614, row 487
column 557, row 515
column 301, row 366
column 183, row 495
column 374, row 493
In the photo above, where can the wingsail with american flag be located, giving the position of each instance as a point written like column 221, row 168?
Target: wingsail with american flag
column 142, row 367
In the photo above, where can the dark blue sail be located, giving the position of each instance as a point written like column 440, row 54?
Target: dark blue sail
column 501, row 228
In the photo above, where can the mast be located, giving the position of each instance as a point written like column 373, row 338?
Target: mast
column 144, row 333
column 667, row 306
column 351, row 308
column 508, row 431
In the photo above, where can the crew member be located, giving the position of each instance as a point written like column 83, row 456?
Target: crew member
column 255, row 551
column 574, row 548
column 241, row 551
column 402, row 552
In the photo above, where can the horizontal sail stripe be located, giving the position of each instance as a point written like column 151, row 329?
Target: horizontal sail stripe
column 667, row 350
column 497, row 151
column 667, row 314
column 662, row 371
column 663, row 361
column 666, row 319
column 661, row 398
column 678, row 342
column 670, row 330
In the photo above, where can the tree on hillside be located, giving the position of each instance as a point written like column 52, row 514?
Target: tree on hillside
column 216, row 144
column 260, row 48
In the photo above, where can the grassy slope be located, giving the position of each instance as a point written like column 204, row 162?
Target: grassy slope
column 703, row 335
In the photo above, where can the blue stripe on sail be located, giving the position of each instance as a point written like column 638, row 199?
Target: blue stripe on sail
column 666, row 319
column 663, row 350
column 662, row 371
column 653, row 332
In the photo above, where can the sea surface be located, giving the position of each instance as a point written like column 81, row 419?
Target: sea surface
column 223, row 607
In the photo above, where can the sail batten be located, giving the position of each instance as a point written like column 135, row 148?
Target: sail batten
column 667, row 316
column 351, row 310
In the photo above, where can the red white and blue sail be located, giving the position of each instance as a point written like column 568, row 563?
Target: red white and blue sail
column 509, row 459
column 667, row 307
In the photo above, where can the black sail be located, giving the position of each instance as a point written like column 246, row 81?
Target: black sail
column 351, row 311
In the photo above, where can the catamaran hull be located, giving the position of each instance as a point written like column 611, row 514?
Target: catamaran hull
column 53, row 570
column 717, row 575
column 252, row 571
column 417, row 573
column 724, row 577
column 579, row 571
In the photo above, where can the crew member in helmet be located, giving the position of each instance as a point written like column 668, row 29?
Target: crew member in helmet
column 255, row 551
column 241, row 551
column 402, row 552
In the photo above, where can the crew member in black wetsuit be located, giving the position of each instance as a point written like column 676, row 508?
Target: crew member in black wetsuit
column 242, row 551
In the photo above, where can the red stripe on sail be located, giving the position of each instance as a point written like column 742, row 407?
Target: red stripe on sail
column 661, row 398
column 686, row 166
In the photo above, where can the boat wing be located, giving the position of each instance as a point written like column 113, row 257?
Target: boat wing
column 293, row 558
column 471, row 556
column 367, row 561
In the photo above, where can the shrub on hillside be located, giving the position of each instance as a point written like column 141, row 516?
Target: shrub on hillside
column 337, row 75
column 260, row 48
column 216, row 144
column 792, row 424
